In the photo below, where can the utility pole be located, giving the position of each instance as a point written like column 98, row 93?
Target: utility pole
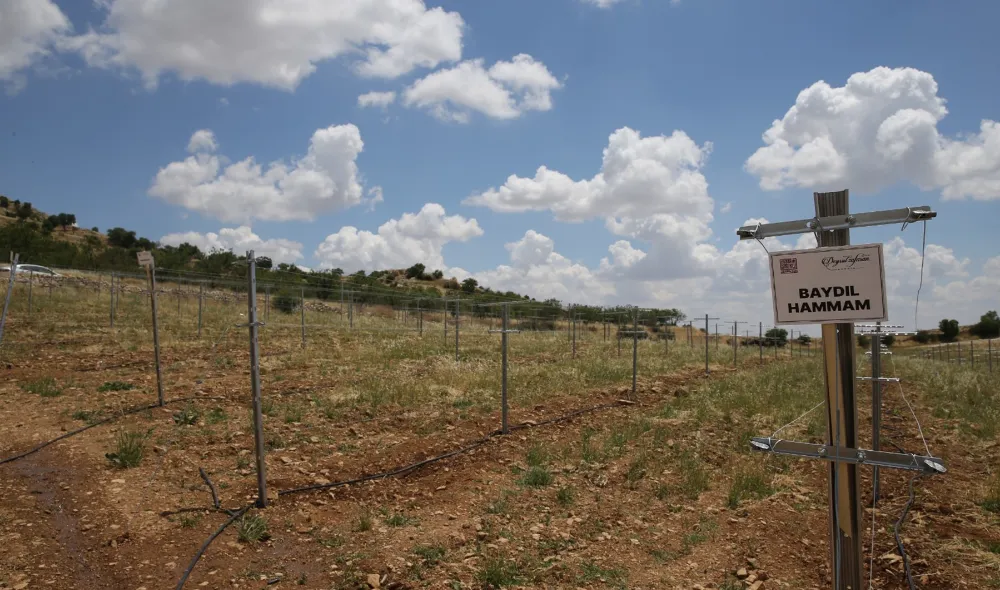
column 832, row 224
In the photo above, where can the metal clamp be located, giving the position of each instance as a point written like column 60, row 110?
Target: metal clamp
column 905, row 461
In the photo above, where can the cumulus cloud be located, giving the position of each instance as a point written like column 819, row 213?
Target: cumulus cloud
column 268, row 42
column 538, row 270
column 506, row 90
column 239, row 240
column 376, row 99
column 29, row 29
column 879, row 129
column 325, row 179
column 398, row 243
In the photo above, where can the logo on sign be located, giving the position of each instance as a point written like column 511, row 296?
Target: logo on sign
column 789, row 265
column 845, row 262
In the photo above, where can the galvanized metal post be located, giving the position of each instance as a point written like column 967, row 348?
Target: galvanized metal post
column 706, row 344
column 458, row 321
column 11, row 277
column 989, row 353
column 151, row 273
column 503, row 362
column 31, row 275
column 760, row 339
column 735, row 341
column 267, row 304
column 111, row 303
column 350, row 310
column 444, row 320
column 201, row 302
column 635, row 348
column 842, row 423
column 302, row 313
column 876, row 401
column 258, row 414
column 573, row 320
column 420, row 317
column 972, row 351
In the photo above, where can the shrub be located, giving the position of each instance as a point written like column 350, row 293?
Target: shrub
column 922, row 336
column 949, row 330
column 115, row 386
column 286, row 302
column 988, row 326
column 889, row 339
column 498, row 572
column 864, row 341
column 537, row 477
column 45, row 387
column 252, row 528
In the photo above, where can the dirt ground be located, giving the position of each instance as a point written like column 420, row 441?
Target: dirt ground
column 634, row 495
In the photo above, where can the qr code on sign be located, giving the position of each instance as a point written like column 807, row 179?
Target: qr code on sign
column 789, row 265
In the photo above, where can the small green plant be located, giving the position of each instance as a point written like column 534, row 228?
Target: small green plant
column 695, row 477
column 536, row 477
column 537, row 456
column 364, row 523
column 45, row 387
column 501, row 505
column 636, row 470
column 397, row 519
column 565, row 496
column 293, row 414
column 301, row 581
column 216, row 416
column 991, row 502
column 592, row 572
column 431, row 554
column 497, row 572
column 90, row 417
column 748, row 484
column 187, row 416
column 189, row 521
column 252, row 528
column 130, row 447
column 115, row 386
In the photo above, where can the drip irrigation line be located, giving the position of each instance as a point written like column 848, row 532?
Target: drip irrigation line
column 197, row 556
column 103, row 421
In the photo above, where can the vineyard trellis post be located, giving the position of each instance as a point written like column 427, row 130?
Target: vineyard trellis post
column 832, row 224
column 201, row 303
column 458, row 315
column 146, row 260
column 706, row 341
column 302, row 313
column 258, row 414
column 504, row 332
column 760, row 339
column 31, row 276
column 111, row 302
column 12, row 276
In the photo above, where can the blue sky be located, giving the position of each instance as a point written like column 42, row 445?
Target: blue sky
column 84, row 129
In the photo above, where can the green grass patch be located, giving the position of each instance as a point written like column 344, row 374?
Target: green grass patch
column 565, row 496
column 749, row 484
column 115, row 386
column 498, row 572
column 991, row 501
column 45, row 387
column 129, row 449
column 252, row 528
column 431, row 554
column 537, row 477
column 591, row 572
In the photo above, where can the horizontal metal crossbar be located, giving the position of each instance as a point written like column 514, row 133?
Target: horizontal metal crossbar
column 881, row 379
column 504, row 331
column 905, row 461
column 834, row 222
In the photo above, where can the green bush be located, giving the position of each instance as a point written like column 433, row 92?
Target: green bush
column 286, row 302
column 130, row 448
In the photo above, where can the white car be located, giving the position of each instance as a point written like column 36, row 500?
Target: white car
column 33, row 269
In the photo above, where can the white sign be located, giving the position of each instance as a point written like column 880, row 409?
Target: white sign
column 828, row 285
column 145, row 258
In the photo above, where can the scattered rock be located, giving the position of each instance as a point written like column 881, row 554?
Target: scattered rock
column 374, row 581
column 742, row 573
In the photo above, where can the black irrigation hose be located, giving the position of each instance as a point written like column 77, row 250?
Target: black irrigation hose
column 204, row 546
column 34, row 450
column 386, row 474
column 899, row 542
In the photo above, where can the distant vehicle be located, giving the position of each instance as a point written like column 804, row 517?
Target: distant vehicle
column 33, row 269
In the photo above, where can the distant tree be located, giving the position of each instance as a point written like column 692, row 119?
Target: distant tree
column 804, row 339
column 49, row 224
column 889, row 339
column 121, row 237
column 949, row 330
column 452, row 284
column 438, row 274
column 864, row 341
column 95, row 229
column 264, row 262
column 922, row 336
column 285, row 267
column 777, row 336
column 286, row 302
column 17, row 203
column 4, row 202
column 24, row 211
column 988, row 326
column 469, row 285
column 416, row 271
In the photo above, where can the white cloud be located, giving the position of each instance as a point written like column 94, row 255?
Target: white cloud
column 726, row 208
column 377, row 99
column 536, row 269
column 239, row 240
column 505, row 91
column 325, row 179
column 399, row 243
column 273, row 43
column 202, row 140
column 28, row 31
column 878, row 129
column 602, row 3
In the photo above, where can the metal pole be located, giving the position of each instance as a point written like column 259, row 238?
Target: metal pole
column 573, row 319
column 111, row 304
column 258, row 415
column 972, row 349
column 503, row 363
column 12, row 276
column 635, row 348
column 706, row 344
column 31, row 276
column 201, row 300
column 989, row 352
column 876, row 401
column 151, row 272
column 760, row 339
column 444, row 315
column 350, row 310
column 302, row 313
column 267, row 304
column 716, row 336
column 420, row 318
column 735, row 342
column 458, row 312
column 842, row 423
